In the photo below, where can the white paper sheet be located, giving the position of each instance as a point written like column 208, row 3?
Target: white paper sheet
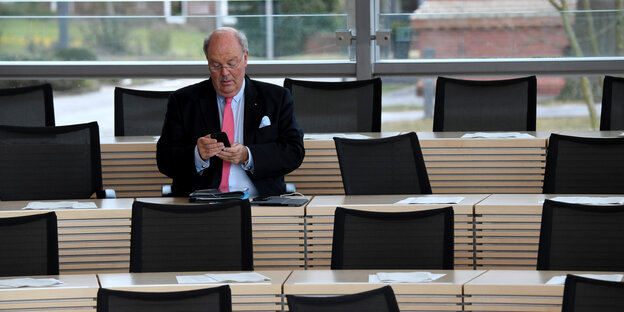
column 430, row 200
column 60, row 205
column 403, row 277
column 496, row 135
column 330, row 136
column 590, row 200
column 245, row 277
column 194, row 279
column 29, row 282
column 560, row 279
column 238, row 277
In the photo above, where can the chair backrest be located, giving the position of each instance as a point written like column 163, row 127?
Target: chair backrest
column 61, row 162
column 376, row 300
column 493, row 105
column 612, row 111
column 29, row 245
column 215, row 299
column 191, row 237
column 582, row 294
column 581, row 237
column 27, row 106
column 393, row 240
column 390, row 165
column 331, row 107
column 139, row 112
column 576, row 165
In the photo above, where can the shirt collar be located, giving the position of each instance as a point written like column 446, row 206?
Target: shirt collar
column 236, row 99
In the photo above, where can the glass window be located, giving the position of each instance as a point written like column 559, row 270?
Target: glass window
column 168, row 30
column 561, row 104
column 463, row 29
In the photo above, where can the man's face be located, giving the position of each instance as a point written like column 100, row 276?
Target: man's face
column 227, row 63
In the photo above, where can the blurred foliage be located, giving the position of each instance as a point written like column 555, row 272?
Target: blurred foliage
column 290, row 33
column 159, row 41
column 75, row 54
column 109, row 35
column 24, row 8
column 572, row 90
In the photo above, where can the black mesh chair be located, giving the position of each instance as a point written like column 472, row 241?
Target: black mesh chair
column 391, row 165
column 139, row 112
column 61, row 162
column 612, row 111
column 576, row 165
column 191, row 237
column 215, row 299
column 393, row 240
column 29, row 245
column 493, row 105
column 376, row 300
column 31, row 106
column 330, row 107
column 582, row 294
column 581, row 237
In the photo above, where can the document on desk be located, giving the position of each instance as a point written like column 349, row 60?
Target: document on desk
column 497, row 135
column 589, row 200
column 430, row 200
column 403, row 277
column 246, row 277
column 37, row 205
column 560, row 279
column 29, row 282
column 330, row 136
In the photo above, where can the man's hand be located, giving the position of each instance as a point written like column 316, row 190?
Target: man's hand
column 236, row 154
column 208, row 147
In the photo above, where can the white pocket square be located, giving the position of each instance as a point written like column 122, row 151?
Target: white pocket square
column 265, row 122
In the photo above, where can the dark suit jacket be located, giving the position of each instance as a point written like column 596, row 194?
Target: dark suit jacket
column 192, row 112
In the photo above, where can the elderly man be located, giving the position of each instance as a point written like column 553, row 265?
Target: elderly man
column 258, row 118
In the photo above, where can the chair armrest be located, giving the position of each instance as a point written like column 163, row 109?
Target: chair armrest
column 166, row 190
column 291, row 188
column 106, row 193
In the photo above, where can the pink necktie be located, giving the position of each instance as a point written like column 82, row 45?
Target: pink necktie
column 228, row 128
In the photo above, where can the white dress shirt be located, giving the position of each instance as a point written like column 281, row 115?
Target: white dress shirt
column 238, row 176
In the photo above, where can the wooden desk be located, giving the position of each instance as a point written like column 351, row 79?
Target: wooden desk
column 594, row 134
column 521, row 291
column 454, row 165
column 278, row 234
column 90, row 240
column 507, row 228
column 266, row 296
column 445, row 294
column 77, row 293
column 505, row 165
column 320, row 222
column 129, row 166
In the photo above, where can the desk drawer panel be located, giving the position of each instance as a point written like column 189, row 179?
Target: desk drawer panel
column 507, row 240
column 508, row 303
column 485, row 166
column 279, row 241
column 94, row 245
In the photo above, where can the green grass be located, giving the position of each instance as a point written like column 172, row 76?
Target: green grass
column 36, row 39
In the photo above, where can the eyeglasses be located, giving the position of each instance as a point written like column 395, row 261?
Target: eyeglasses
column 229, row 66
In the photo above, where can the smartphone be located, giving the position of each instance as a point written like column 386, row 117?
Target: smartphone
column 221, row 137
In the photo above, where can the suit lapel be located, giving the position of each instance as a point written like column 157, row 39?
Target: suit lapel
column 253, row 109
column 208, row 108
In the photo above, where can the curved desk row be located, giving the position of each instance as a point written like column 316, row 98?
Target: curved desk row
column 454, row 164
column 459, row 290
column 491, row 231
